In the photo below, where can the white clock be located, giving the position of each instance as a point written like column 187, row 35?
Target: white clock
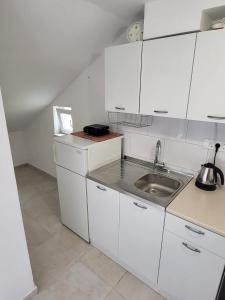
column 135, row 32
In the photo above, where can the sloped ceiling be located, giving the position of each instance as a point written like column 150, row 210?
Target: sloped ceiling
column 126, row 9
column 45, row 44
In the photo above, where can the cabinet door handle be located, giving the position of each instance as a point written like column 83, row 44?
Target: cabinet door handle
column 161, row 111
column 191, row 248
column 216, row 117
column 194, row 230
column 101, row 188
column 120, row 108
column 140, row 206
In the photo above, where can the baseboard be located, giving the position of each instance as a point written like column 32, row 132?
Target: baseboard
column 21, row 166
column 30, row 295
column 41, row 170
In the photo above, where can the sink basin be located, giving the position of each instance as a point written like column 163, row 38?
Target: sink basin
column 158, row 185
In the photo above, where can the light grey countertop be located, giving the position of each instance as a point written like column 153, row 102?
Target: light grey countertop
column 121, row 176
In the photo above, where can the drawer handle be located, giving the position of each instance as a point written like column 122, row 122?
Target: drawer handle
column 191, row 248
column 101, row 188
column 120, row 108
column 140, row 206
column 216, row 117
column 161, row 111
column 195, row 230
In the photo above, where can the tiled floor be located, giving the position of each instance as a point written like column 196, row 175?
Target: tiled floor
column 64, row 266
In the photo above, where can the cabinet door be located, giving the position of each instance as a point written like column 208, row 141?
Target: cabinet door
column 140, row 237
column 207, row 96
column 103, row 211
column 187, row 271
column 166, row 76
column 122, row 77
column 73, row 201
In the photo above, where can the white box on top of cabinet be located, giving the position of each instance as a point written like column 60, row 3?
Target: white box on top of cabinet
column 164, row 18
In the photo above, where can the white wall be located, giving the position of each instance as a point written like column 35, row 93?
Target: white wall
column 16, row 280
column 185, row 144
column 18, row 148
column 86, row 97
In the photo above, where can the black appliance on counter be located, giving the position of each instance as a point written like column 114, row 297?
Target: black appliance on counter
column 96, row 129
column 208, row 176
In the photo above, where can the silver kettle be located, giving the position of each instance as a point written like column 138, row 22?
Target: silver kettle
column 208, row 177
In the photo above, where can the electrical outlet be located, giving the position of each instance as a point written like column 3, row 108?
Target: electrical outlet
column 210, row 145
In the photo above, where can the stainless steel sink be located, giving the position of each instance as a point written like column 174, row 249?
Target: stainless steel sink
column 141, row 180
column 158, row 185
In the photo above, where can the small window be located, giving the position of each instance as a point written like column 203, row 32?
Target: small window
column 63, row 122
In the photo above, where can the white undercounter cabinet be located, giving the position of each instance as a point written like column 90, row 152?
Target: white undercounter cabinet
column 192, row 261
column 103, row 212
column 179, row 251
column 126, row 229
column 140, row 238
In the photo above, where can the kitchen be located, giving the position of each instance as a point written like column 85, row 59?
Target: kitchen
column 149, row 195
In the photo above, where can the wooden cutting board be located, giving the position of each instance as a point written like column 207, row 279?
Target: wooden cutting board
column 102, row 138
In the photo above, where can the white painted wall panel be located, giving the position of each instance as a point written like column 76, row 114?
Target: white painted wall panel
column 18, row 148
column 16, row 280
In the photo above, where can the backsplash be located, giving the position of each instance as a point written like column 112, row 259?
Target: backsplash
column 185, row 144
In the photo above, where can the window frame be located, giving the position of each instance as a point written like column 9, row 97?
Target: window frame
column 58, row 123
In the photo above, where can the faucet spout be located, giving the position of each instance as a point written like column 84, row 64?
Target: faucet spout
column 157, row 162
column 157, row 152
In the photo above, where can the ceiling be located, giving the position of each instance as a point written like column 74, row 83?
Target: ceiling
column 127, row 9
column 45, row 44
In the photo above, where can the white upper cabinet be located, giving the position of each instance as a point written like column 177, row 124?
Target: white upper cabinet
column 207, row 97
column 122, row 78
column 163, row 18
column 166, row 76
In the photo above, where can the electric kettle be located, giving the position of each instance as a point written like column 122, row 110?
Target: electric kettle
column 208, row 177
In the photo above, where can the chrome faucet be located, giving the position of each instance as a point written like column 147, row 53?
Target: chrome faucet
column 157, row 162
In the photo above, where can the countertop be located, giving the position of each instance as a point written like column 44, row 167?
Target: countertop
column 74, row 141
column 83, row 141
column 206, row 209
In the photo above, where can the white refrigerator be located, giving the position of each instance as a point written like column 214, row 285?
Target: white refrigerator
column 74, row 158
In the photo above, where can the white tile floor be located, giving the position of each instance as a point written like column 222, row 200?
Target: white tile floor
column 64, row 266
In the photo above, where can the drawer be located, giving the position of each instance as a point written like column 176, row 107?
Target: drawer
column 71, row 158
column 196, row 234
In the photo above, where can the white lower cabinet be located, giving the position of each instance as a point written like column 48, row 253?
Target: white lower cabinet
column 103, row 212
column 188, row 272
column 140, row 237
column 187, row 265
